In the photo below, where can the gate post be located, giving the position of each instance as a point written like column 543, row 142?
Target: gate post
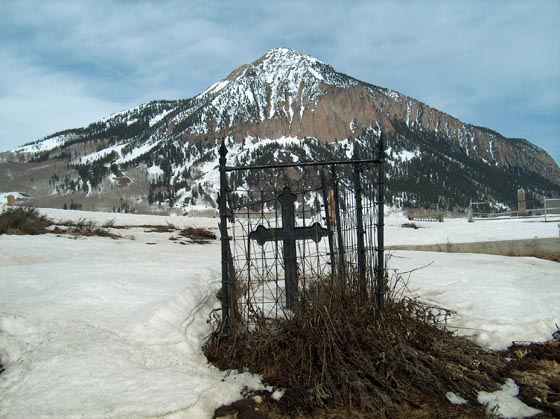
column 341, row 269
column 380, row 274
column 328, row 217
column 362, row 280
column 224, row 238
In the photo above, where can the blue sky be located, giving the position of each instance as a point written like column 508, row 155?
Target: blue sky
column 65, row 64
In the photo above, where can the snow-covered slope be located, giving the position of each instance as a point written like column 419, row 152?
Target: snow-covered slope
column 281, row 84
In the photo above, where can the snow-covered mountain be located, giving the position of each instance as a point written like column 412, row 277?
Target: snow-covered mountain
column 285, row 106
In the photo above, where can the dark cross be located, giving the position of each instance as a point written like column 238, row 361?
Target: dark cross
column 288, row 234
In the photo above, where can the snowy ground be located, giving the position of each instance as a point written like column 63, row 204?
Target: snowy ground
column 458, row 230
column 102, row 328
column 109, row 328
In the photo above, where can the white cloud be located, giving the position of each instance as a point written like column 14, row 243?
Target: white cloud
column 35, row 103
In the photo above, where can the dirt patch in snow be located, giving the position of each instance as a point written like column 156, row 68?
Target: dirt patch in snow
column 534, row 367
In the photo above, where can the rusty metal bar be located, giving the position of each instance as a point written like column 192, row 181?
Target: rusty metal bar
column 380, row 274
column 341, row 265
column 302, row 164
column 224, row 238
column 361, row 248
column 326, row 205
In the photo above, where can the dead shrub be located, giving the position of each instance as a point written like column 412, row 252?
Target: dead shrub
column 198, row 234
column 339, row 351
column 159, row 228
column 23, row 221
column 410, row 225
column 109, row 224
column 86, row 228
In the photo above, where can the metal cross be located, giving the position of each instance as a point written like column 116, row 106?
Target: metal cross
column 288, row 234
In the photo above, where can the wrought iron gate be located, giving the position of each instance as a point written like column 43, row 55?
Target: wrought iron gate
column 307, row 222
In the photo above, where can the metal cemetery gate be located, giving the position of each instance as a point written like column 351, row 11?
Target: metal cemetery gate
column 298, row 224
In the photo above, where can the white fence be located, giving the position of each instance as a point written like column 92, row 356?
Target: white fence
column 551, row 208
column 482, row 211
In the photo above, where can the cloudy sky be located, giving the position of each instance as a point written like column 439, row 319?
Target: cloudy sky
column 65, row 64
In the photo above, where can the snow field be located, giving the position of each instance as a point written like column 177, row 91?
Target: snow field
column 497, row 299
column 459, row 230
column 108, row 328
column 101, row 328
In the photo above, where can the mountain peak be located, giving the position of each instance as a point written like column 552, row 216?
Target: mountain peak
column 286, row 56
column 281, row 70
column 283, row 83
column 281, row 65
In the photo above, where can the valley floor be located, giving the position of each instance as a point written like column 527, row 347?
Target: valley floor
column 100, row 328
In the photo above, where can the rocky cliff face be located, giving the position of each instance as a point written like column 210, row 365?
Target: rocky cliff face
column 293, row 100
column 287, row 94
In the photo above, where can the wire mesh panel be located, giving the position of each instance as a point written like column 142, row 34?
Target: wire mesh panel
column 259, row 262
column 294, row 225
column 356, row 229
